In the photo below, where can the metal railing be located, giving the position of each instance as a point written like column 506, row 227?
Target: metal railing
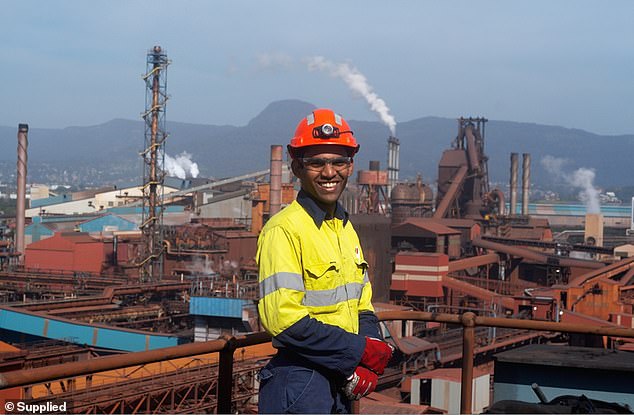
column 228, row 345
column 470, row 321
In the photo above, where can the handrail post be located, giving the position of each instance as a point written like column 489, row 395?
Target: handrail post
column 468, row 344
column 225, row 376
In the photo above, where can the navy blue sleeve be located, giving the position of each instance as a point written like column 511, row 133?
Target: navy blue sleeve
column 328, row 346
column 369, row 325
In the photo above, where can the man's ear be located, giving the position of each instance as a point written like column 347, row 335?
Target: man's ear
column 296, row 167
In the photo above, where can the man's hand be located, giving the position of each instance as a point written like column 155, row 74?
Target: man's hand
column 361, row 383
column 376, row 355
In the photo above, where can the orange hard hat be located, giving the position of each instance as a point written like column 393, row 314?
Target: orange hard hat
column 323, row 126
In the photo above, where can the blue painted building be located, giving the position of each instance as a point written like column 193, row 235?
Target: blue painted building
column 216, row 316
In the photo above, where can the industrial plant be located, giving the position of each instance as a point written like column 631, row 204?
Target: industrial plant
column 143, row 299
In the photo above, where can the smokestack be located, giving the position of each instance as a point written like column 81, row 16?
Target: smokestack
column 392, row 161
column 23, row 142
column 526, row 181
column 275, row 195
column 513, row 184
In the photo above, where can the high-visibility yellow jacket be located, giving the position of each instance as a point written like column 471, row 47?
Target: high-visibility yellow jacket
column 314, row 286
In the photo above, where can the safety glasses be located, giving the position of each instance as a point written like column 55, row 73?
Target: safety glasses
column 318, row 163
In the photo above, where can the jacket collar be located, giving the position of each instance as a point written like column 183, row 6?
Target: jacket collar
column 316, row 212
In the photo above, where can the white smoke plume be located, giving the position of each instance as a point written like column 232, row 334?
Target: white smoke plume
column 582, row 178
column 274, row 60
column 358, row 83
column 181, row 166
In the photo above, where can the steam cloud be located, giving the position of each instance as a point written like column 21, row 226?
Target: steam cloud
column 358, row 83
column 181, row 166
column 353, row 78
column 582, row 178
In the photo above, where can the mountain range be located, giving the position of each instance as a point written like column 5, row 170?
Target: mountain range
column 224, row 150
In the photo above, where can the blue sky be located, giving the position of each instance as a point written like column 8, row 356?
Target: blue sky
column 75, row 63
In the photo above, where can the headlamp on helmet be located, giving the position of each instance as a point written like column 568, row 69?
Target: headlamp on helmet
column 326, row 131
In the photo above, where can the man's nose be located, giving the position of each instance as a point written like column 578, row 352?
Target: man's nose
column 329, row 170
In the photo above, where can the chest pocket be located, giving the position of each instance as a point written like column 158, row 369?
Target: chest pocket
column 322, row 275
column 324, row 287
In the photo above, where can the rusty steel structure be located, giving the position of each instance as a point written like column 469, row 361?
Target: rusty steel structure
column 463, row 181
column 411, row 200
column 373, row 185
column 153, row 157
column 225, row 383
column 23, row 142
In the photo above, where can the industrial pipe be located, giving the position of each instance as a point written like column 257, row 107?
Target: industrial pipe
column 20, row 210
column 526, row 178
column 513, row 184
column 498, row 195
column 536, row 256
column 450, row 196
column 275, row 189
column 468, row 346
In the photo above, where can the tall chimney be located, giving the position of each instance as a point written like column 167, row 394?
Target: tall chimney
column 275, row 195
column 526, row 180
column 23, row 142
column 513, row 184
column 392, row 161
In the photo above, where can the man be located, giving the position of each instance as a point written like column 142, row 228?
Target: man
column 314, row 288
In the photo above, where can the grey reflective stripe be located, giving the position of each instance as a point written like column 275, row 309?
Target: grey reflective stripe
column 279, row 280
column 338, row 119
column 366, row 279
column 310, row 119
column 321, row 298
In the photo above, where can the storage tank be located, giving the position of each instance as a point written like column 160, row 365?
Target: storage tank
column 410, row 200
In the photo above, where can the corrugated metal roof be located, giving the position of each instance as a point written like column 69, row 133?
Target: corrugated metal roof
column 217, row 306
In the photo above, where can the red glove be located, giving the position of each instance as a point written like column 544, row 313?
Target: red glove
column 376, row 355
column 361, row 383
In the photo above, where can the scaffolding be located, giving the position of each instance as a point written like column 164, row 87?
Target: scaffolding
column 151, row 259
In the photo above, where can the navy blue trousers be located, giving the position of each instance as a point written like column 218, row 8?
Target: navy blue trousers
column 289, row 385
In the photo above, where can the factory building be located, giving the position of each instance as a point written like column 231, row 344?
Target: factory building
column 88, row 202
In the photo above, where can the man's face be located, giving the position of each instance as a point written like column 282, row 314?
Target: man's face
column 327, row 183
